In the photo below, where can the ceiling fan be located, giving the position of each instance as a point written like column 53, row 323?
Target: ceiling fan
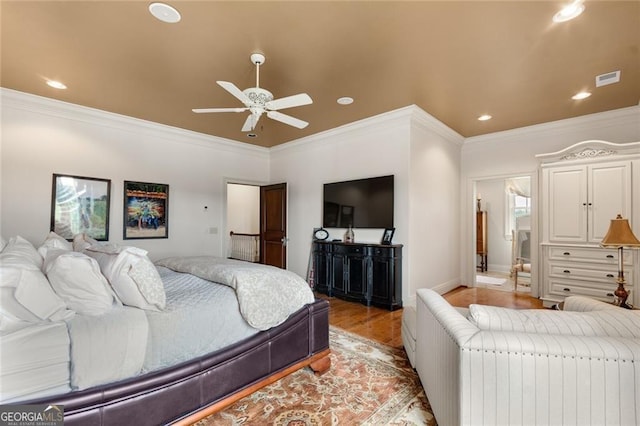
column 259, row 101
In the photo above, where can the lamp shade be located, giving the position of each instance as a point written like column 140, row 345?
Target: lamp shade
column 620, row 234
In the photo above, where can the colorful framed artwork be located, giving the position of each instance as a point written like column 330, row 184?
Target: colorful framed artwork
column 80, row 205
column 146, row 210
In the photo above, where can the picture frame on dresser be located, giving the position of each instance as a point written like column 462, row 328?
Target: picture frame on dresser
column 80, row 204
column 387, row 236
column 146, row 210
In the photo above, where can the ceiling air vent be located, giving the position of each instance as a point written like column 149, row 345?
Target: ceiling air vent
column 608, row 78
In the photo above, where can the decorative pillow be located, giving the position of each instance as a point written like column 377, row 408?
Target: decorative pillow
column 76, row 278
column 586, row 304
column 54, row 241
column 82, row 241
column 19, row 249
column 131, row 274
column 26, row 296
column 613, row 323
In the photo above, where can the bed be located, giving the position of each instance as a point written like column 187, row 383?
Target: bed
column 192, row 350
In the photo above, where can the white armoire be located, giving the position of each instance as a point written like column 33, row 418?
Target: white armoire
column 583, row 187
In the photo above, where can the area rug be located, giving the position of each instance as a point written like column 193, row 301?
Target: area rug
column 368, row 384
column 483, row 279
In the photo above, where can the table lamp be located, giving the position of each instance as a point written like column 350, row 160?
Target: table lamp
column 619, row 236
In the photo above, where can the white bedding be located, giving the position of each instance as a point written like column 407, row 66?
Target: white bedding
column 267, row 295
column 199, row 317
column 108, row 347
column 34, row 361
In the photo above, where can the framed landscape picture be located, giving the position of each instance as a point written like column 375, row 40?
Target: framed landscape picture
column 146, row 209
column 80, row 205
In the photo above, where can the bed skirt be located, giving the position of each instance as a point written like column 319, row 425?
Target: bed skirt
column 206, row 384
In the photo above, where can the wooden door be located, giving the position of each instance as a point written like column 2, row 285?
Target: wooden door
column 273, row 225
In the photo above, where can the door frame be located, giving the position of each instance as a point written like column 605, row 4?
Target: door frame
column 224, row 240
column 469, row 219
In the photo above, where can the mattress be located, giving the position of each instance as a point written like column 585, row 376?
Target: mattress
column 34, row 361
column 108, row 347
column 200, row 317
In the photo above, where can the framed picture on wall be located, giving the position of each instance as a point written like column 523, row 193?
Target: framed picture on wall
column 80, row 205
column 146, row 210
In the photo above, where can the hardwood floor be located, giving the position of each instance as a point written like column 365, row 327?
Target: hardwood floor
column 385, row 326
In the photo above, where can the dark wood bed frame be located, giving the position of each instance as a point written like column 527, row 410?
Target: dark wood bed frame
column 185, row 393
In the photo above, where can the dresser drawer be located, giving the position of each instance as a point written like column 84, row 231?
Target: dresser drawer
column 597, row 255
column 567, row 288
column 594, row 272
column 349, row 249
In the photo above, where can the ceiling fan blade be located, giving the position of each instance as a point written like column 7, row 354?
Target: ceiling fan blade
column 202, row 110
column 251, row 122
column 287, row 119
column 233, row 89
column 289, row 102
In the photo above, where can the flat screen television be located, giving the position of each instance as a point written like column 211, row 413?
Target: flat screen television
column 361, row 203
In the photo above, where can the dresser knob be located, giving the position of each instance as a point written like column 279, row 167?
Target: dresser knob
column 566, row 289
column 610, row 294
column 609, row 256
column 566, row 271
column 609, row 275
column 566, row 253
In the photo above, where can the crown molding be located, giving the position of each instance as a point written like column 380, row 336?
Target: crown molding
column 613, row 118
column 400, row 118
column 13, row 99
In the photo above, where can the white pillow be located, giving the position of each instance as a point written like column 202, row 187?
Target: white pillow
column 131, row 274
column 82, row 241
column 54, row 241
column 3, row 243
column 614, row 323
column 76, row 278
column 19, row 249
column 26, row 296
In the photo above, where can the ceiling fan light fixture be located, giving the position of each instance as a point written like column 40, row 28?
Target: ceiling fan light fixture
column 165, row 13
column 345, row 100
column 581, row 95
column 484, row 117
column 569, row 12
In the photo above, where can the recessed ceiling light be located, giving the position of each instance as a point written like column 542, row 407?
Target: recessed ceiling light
column 164, row 12
column 569, row 12
column 345, row 100
column 484, row 117
column 581, row 95
column 56, row 84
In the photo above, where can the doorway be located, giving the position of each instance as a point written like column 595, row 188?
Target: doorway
column 504, row 220
column 256, row 223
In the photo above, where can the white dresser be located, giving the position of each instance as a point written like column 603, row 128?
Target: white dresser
column 583, row 187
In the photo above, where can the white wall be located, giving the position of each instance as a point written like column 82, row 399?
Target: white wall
column 372, row 147
column 434, row 207
column 243, row 208
column 425, row 164
column 42, row 136
column 513, row 153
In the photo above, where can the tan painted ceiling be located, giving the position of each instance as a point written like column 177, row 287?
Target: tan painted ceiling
column 456, row 60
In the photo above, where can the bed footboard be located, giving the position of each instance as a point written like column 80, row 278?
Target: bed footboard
column 194, row 389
